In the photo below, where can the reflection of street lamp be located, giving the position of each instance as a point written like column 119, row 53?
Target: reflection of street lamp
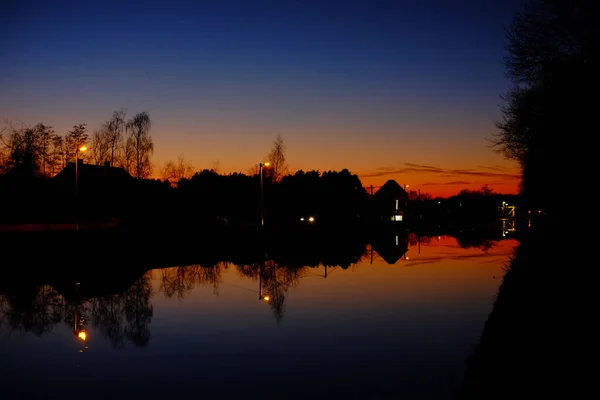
column 262, row 217
column 82, row 148
column 260, row 291
column 78, row 327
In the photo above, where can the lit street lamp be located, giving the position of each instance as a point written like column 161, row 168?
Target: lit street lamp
column 79, row 149
column 262, row 216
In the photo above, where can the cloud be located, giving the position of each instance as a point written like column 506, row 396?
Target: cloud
column 423, row 167
column 446, row 183
column 470, row 172
column 386, row 169
column 440, row 172
column 493, row 168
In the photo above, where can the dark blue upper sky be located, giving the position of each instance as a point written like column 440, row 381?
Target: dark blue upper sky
column 212, row 71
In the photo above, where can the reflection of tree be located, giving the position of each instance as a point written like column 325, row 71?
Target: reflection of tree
column 182, row 280
column 126, row 315
column 33, row 309
column 38, row 309
column 107, row 315
column 138, row 310
column 470, row 242
column 274, row 282
column 415, row 239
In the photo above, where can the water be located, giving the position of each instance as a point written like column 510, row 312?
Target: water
column 369, row 330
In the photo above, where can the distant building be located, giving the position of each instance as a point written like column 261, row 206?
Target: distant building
column 102, row 191
column 389, row 202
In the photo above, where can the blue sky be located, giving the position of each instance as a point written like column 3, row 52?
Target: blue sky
column 364, row 85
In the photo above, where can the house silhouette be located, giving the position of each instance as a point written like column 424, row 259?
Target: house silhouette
column 389, row 202
column 101, row 192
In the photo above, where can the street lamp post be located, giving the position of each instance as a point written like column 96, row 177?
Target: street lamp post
column 262, row 214
column 79, row 149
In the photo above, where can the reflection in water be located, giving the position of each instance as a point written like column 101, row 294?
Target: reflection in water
column 126, row 316
column 118, row 317
column 178, row 281
column 379, row 315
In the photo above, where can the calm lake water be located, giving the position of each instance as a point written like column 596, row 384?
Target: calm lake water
column 400, row 328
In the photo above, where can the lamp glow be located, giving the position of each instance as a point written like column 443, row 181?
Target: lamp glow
column 82, row 335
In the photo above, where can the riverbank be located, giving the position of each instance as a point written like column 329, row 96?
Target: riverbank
column 528, row 346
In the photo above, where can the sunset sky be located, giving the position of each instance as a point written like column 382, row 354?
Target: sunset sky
column 404, row 90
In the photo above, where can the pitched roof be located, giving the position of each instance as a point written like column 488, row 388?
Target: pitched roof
column 390, row 189
column 92, row 172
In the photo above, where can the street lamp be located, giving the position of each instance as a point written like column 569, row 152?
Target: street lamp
column 262, row 216
column 79, row 149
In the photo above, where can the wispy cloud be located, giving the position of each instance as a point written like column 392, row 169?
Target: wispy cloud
column 386, row 169
column 493, row 168
column 446, row 183
column 423, row 167
column 490, row 172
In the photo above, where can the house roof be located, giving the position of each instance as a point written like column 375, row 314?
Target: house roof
column 92, row 172
column 390, row 189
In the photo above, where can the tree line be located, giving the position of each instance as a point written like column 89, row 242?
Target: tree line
column 40, row 151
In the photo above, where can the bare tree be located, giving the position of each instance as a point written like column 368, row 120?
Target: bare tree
column 58, row 160
column 25, row 147
column 101, row 146
column 276, row 157
column 115, row 131
column 76, row 138
column 44, row 136
column 175, row 171
column 253, row 170
column 139, row 146
column 3, row 160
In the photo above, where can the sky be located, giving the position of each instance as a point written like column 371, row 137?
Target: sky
column 403, row 90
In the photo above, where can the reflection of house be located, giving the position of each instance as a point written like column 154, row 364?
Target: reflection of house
column 389, row 202
column 101, row 189
column 390, row 247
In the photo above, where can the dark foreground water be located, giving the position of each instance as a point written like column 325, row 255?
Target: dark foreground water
column 400, row 328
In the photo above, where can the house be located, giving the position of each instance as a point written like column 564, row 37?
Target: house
column 99, row 192
column 389, row 202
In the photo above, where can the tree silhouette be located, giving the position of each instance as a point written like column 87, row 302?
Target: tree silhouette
column 116, row 129
column 139, row 146
column 176, row 171
column 552, row 58
column 26, row 150
column 278, row 167
column 76, row 138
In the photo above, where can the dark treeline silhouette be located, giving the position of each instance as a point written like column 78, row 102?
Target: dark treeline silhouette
column 552, row 60
column 209, row 200
column 48, row 179
column 468, row 207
